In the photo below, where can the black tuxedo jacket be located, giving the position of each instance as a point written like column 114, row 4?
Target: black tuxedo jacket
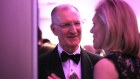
column 50, row 63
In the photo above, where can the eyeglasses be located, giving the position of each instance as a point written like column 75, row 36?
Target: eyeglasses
column 67, row 25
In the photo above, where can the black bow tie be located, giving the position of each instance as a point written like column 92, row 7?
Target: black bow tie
column 65, row 56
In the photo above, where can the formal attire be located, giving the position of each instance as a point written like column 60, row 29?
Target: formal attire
column 52, row 63
column 128, row 67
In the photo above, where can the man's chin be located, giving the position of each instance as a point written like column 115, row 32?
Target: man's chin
column 74, row 44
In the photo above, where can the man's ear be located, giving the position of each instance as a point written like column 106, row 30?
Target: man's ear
column 53, row 28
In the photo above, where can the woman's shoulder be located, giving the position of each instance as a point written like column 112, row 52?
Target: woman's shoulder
column 104, row 62
column 106, row 68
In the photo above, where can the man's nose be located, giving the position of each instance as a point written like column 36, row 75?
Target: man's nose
column 73, row 28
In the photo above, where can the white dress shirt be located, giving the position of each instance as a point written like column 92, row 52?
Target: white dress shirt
column 69, row 66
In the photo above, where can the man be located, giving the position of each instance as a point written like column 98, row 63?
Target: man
column 66, row 25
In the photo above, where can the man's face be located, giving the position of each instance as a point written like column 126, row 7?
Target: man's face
column 68, row 28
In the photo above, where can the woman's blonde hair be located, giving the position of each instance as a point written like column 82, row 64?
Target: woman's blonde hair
column 121, row 26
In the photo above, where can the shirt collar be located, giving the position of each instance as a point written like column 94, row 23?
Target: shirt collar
column 60, row 50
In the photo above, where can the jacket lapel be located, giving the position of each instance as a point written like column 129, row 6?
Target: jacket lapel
column 56, row 65
column 86, row 66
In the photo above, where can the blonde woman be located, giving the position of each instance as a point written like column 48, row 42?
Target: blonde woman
column 115, row 30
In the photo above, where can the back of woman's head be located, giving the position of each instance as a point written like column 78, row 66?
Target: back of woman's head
column 121, row 26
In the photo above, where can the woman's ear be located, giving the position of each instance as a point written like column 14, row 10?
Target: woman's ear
column 53, row 28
